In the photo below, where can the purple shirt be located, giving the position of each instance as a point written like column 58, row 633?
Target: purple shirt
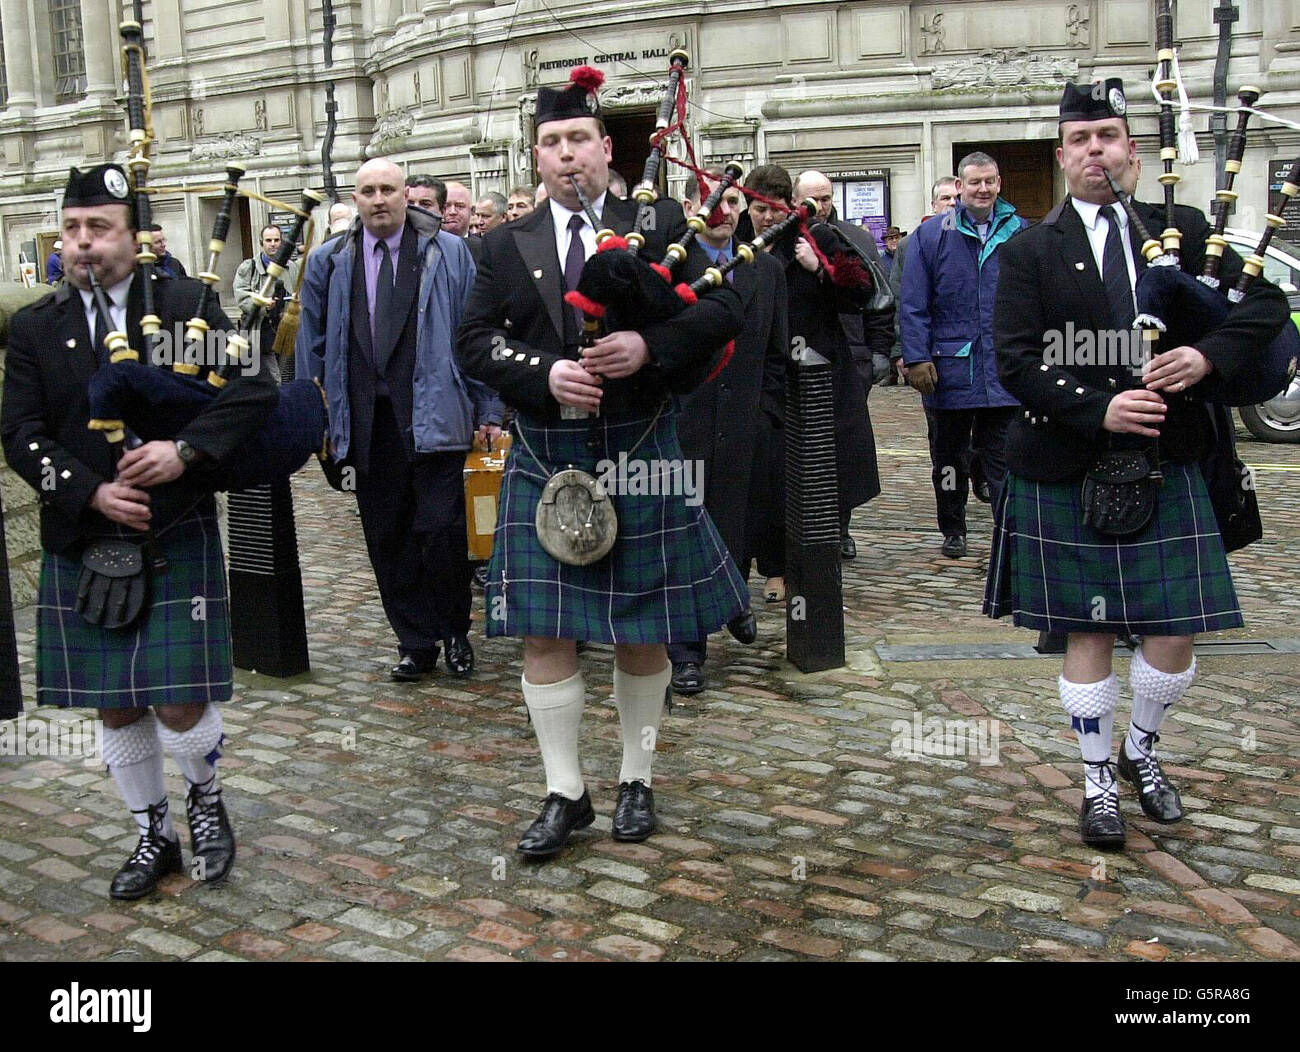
column 369, row 245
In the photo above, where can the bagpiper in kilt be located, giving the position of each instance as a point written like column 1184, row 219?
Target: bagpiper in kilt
column 668, row 577
column 154, row 680
column 1074, row 274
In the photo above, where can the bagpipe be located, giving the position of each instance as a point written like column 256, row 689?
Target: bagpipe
column 1175, row 308
column 135, row 398
column 620, row 289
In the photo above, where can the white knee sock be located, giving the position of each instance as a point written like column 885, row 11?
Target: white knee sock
column 136, row 764
column 1153, row 692
column 640, row 701
column 556, row 711
column 1092, row 715
column 197, row 750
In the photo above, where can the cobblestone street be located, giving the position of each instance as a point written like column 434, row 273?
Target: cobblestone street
column 378, row 821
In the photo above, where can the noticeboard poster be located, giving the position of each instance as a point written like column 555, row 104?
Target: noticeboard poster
column 862, row 197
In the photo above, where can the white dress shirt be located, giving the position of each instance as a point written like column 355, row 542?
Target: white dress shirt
column 560, row 217
column 1097, row 227
column 117, row 306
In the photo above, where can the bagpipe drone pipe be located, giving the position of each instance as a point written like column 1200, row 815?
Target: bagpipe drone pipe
column 1175, row 308
column 134, row 399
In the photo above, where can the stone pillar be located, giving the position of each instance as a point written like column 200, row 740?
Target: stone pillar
column 18, row 56
column 101, row 43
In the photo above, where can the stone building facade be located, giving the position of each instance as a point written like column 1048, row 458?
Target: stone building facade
column 888, row 90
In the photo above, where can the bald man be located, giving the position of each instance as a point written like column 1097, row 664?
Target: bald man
column 379, row 314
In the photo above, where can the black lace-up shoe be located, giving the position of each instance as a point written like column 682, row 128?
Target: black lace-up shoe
column 688, row 678
column 153, row 858
column 1159, row 799
column 212, row 841
column 634, row 814
column 743, row 627
column 1100, row 823
column 560, row 816
column 954, row 546
column 460, row 655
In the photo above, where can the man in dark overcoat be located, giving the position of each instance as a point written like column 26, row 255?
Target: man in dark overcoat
column 668, row 577
column 1075, row 273
column 155, row 681
column 720, row 422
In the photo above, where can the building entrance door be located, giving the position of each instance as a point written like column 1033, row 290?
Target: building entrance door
column 631, row 133
column 1027, row 169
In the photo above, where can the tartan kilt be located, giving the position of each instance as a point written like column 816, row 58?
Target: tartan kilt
column 1051, row 571
column 668, row 578
column 168, row 657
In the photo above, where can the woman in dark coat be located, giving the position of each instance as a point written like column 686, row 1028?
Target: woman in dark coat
column 817, row 297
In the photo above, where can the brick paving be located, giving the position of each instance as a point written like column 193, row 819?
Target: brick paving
column 377, row 821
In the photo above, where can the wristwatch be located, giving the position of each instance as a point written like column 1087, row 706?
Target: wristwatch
column 186, row 452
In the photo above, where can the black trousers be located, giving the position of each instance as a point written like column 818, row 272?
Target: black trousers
column 952, row 432
column 413, row 515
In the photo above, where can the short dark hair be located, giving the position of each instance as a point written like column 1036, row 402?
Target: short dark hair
column 524, row 191
column 430, row 182
column 771, row 180
column 156, row 228
column 269, row 226
column 693, row 183
column 976, row 159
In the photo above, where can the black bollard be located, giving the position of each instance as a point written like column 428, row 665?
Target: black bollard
column 814, row 619
column 11, row 691
column 268, row 626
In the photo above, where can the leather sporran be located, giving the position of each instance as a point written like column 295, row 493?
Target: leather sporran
column 575, row 521
column 113, row 589
column 1119, row 492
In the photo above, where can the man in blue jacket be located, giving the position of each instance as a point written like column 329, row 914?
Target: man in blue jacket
column 379, row 314
column 946, row 326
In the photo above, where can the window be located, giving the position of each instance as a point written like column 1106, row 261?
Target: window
column 69, row 56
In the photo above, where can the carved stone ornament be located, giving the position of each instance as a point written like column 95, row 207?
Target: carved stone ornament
column 392, row 128
column 932, row 34
column 259, row 115
column 1005, row 68
column 1076, row 24
column 229, row 144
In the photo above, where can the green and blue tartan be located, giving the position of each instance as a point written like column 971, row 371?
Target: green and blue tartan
column 668, row 578
column 1050, row 571
column 170, row 657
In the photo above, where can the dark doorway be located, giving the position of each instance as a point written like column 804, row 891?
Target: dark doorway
column 631, row 133
column 1027, row 169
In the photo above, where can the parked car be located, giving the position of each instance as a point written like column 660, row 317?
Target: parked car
column 1278, row 419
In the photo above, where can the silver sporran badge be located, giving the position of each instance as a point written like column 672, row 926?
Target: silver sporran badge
column 576, row 523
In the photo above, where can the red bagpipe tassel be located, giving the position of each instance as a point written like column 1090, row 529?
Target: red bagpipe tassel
column 727, row 352
column 687, row 294
column 662, row 271
column 585, row 304
column 614, row 242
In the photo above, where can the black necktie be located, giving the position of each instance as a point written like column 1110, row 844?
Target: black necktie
column 101, row 333
column 573, row 262
column 576, row 256
column 1114, row 273
column 379, row 333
